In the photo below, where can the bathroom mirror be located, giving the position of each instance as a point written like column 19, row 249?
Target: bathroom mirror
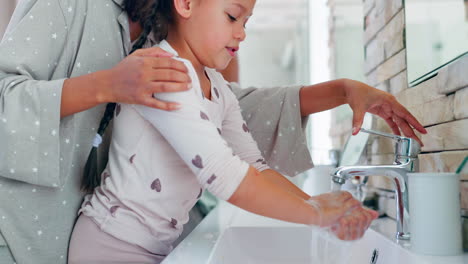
column 356, row 144
column 436, row 34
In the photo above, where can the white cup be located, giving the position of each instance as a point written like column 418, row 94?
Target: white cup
column 435, row 220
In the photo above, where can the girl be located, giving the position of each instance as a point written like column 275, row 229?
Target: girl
column 160, row 162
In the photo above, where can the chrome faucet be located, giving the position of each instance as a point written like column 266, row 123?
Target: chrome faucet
column 406, row 160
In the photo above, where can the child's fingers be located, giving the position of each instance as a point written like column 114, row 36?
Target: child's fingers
column 349, row 205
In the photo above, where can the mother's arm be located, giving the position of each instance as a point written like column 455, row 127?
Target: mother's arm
column 134, row 80
column 361, row 98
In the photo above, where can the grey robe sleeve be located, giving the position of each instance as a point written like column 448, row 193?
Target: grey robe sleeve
column 274, row 119
column 29, row 98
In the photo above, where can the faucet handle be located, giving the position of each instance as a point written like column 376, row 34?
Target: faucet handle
column 378, row 133
column 404, row 146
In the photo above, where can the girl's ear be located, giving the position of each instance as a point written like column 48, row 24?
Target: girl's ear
column 183, row 7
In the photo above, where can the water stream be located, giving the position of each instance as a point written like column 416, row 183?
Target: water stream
column 328, row 249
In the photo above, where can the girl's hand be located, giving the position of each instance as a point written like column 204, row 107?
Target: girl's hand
column 354, row 224
column 344, row 214
column 145, row 72
column 332, row 206
column 363, row 98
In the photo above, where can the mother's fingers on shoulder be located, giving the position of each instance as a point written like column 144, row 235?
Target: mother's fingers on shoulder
column 169, row 75
column 166, row 63
column 168, row 87
column 158, row 104
column 152, row 52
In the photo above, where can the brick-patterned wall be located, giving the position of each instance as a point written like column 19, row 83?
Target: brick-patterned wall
column 440, row 103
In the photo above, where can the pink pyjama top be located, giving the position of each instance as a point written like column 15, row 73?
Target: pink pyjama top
column 161, row 161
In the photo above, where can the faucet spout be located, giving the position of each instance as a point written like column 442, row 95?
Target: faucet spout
column 391, row 171
column 406, row 160
column 398, row 175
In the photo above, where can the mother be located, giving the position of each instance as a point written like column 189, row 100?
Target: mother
column 62, row 60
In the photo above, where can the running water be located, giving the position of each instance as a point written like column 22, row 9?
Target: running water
column 328, row 249
column 335, row 186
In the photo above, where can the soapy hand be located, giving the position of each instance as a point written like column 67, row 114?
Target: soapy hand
column 343, row 214
column 353, row 224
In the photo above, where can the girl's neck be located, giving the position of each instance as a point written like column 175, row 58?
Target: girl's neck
column 178, row 43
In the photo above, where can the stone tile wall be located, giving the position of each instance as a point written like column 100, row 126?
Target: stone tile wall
column 440, row 103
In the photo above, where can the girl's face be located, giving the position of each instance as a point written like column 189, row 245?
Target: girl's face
column 215, row 29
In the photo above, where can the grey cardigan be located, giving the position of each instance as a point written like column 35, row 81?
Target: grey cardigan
column 42, row 156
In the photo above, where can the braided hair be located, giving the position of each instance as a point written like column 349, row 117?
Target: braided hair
column 154, row 16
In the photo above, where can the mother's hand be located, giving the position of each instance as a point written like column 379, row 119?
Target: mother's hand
column 145, row 72
column 363, row 98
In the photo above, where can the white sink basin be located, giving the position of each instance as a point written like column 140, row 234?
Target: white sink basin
column 294, row 245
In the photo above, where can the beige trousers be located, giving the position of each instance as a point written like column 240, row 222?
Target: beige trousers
column 90, row 245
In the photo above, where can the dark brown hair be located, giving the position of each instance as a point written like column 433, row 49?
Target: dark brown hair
column 154, row 16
